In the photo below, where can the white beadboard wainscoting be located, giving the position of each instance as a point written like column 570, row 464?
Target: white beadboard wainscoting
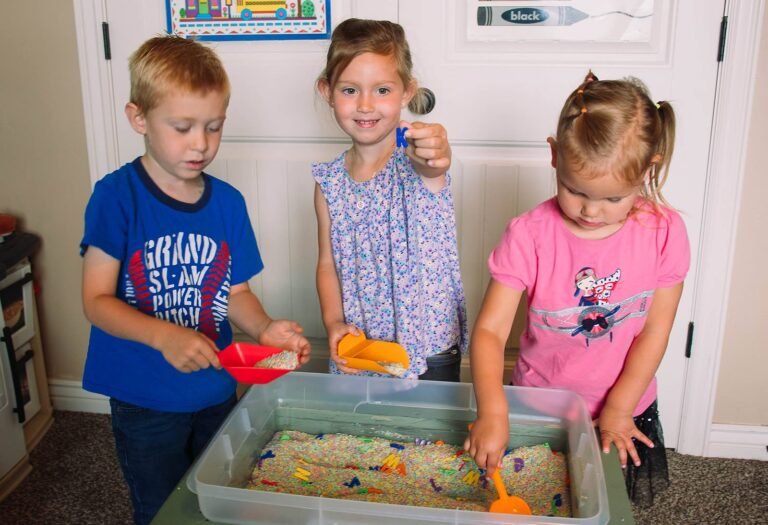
column 491, row 183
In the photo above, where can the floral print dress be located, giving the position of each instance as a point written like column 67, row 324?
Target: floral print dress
column 394, row 246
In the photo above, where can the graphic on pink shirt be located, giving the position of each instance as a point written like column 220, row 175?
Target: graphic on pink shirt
column 595, row 291
column 595, row 316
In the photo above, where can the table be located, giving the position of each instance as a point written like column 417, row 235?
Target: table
column 181, row 506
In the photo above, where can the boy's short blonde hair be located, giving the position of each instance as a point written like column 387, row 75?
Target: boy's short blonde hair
column 166, row 62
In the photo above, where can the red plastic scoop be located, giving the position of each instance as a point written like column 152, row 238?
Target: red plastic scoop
column 239, row 359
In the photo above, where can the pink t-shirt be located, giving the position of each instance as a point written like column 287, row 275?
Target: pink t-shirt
column 588, row 299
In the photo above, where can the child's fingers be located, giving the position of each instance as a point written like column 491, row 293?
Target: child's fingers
column 492, row 462
column 422, row 130
column 622, row 454
column 333, row 347
column 633, row 454
column 304, row 349
column 648, row 442
column 205, row 356
column 212, row 353
column 346, row 369
column 440, row 162
column 431, row 146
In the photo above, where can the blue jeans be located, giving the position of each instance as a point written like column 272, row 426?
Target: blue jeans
column 445, row 366
column 156, row 448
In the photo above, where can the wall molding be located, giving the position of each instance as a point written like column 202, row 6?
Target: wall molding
column 69, row 396
column 96, row 85
column 738, row 441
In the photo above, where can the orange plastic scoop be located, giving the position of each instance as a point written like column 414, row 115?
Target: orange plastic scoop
column 239, row 359
column 506, row 504
column 376, row 356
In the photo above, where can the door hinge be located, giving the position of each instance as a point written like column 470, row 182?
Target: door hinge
column 105, row 35
column 721, row 43
column 689, row 340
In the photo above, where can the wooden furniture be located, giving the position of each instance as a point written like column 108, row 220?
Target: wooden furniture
column 26, row 406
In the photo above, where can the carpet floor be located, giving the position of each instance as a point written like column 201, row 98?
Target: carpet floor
column 77, row 480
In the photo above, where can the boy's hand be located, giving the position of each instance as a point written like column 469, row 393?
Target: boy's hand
column 487, row 442
column 619, row 428
column 428, row 148
column 285, row 334
column 188, row 350
column 336, row 333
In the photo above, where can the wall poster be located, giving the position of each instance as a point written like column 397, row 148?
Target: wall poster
column 595, row 21
column 249, row 19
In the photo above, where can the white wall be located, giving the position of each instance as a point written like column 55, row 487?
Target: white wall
column 44, row 167
column 44, row 180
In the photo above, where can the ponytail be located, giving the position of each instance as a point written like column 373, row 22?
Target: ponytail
column 422, row 102
column 665, row 146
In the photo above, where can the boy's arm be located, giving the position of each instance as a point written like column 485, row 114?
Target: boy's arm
column 247, row 313
column 429, row 151
column 490, row 433
column 328, row 286
column 647, row 350
column 185, row 349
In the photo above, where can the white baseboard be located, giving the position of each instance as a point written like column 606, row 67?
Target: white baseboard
column 69, row 395
column 738, row 441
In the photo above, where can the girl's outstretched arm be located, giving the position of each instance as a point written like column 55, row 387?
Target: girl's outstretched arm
column 429, row 151
column 328, row 286
column 615, row 422
column 490, row 433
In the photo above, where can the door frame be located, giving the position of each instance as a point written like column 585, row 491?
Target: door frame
column 725, row 174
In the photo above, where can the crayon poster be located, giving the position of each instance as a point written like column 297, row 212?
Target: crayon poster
column 595, row 21
column 249, row 19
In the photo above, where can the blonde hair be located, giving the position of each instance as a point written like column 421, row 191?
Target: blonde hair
column 613, row 126
column 354, row 37
column 170, row 61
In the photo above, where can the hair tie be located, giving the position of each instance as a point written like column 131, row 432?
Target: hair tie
column 583, row 109
column 658, row 105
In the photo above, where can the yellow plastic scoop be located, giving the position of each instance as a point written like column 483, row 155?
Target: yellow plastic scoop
column 376, row 356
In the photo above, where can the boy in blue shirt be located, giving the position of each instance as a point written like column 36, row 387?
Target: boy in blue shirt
column 168, row 252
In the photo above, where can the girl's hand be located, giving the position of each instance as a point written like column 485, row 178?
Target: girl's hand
column 428, row 147
column 336, row 333
column 487, row 441
column 187, row 350
column 619, row 428
column 285, row 334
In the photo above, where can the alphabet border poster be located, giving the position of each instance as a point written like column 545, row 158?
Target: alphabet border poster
column 249, row 19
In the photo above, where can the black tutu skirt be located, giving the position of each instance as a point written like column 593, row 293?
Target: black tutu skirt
column 652, row 476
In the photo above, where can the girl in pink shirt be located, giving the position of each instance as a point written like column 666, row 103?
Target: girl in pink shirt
column 603, row 265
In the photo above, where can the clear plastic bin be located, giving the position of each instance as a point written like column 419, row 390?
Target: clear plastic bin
column 381, row 407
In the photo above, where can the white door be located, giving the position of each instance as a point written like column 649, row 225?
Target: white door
column 499, row 90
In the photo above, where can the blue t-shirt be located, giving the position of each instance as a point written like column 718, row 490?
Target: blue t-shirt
column 178, row 262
